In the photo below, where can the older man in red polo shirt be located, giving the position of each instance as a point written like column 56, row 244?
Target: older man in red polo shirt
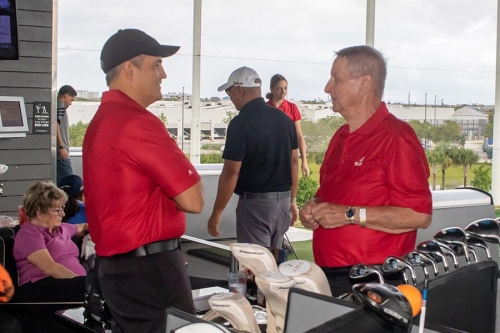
column 374, row 192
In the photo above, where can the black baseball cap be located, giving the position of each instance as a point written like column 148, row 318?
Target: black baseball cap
column 129, row 43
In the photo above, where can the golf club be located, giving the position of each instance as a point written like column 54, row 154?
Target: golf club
column 236, row 309
column 478, row 242
column 454, row 236
column 394, row 264
column 432, row 249
column 448, row 251
column 275, row 288
column 386, row 301
column 415, row 259
column 307, row 276
column 360, row 271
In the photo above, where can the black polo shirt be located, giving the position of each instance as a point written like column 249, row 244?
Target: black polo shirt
column 262, row 137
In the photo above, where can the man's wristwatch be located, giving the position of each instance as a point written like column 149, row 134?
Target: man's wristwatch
column 349, row 214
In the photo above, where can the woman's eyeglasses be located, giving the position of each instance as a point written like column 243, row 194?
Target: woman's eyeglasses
column 58, row 210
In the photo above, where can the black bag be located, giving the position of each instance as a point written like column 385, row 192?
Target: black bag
column 97, row 315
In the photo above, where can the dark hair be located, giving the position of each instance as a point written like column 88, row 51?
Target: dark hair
column 71, row 208
column 66, row 90
column 365, row 60
column 275, row 79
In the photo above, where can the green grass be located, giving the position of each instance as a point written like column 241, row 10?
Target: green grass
column 454, row 175
column 303, row 250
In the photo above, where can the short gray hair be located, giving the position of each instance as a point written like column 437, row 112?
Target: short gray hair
column 42, row 196
column 113, row 73
column 365, row 60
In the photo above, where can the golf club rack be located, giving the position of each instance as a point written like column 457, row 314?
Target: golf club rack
column 450, row 286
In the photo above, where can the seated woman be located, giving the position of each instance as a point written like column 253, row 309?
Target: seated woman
column 46, row 258
column 74, row 210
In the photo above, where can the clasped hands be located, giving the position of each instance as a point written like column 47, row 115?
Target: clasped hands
column 327, row 215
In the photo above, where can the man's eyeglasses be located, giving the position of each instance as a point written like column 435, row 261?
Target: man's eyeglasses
column 228, row 90
column 58, row 210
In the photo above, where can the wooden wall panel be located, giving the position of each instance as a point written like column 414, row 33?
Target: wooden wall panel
column 18, row 157
column 38, row 94
column 38, row 5
column 27, row 65
column 35, row 34
column 29, row 158
column 34, row 18
column 35, row 49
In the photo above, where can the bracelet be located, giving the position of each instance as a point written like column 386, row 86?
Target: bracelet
column 294, row 200
column 362, row 217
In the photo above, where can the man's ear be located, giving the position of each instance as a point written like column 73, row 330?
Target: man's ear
column 366, row 84
column 128, row 68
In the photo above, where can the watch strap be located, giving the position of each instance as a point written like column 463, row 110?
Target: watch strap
column 362, row 217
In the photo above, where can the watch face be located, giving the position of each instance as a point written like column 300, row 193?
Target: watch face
column 350, row 213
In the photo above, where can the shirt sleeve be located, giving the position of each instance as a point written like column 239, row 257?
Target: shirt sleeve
column 295, row 113
column 408, row 175
column 61, row 112
column 28, row 240
column 149, row 146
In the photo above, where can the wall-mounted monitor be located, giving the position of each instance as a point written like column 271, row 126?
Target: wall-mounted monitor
column 9, row 41
column 13, row 115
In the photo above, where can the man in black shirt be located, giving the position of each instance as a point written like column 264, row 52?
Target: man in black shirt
column 260, row 165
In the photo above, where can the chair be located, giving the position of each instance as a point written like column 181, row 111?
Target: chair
column 31, row 315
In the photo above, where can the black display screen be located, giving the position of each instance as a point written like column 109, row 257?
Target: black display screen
column 9, row 46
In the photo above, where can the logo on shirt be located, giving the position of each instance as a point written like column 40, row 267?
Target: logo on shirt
column 360, row 162
column 190, row 172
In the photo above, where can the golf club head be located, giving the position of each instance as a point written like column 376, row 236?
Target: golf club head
column 448, row 251
column 416, row 259
column 360, row 271
column 487, row 229
column 478, row 242
column 473, row 253
column 429, row 260
column 433, row 249
column 454, row 236
column 236, row 309
column 275, row 288
column 307, row 276
column 254, row 257
column 386, row 301
column 393, row 264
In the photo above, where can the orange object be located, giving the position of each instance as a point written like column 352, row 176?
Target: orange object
column 6, row 286
column 21, row 214
column 413, row 296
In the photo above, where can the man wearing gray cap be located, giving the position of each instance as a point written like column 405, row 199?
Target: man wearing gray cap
column 260, row 165
column 138, row 184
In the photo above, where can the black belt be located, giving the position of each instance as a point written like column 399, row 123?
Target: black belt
column 265, row 195
column 151, row 248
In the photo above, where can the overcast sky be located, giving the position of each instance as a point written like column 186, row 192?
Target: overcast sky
column 444, row 48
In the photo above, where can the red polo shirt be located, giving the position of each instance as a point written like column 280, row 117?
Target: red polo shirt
column 380, row 164
column 132, row 170
column 290, row 109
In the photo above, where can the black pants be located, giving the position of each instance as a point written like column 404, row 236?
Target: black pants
column 340, row 282
column 139, row 290
column 41, row 318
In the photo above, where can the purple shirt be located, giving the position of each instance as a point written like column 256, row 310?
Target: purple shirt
column 63, row 250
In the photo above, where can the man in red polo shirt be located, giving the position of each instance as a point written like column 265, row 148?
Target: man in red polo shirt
column 138, row 184
column 374, row 192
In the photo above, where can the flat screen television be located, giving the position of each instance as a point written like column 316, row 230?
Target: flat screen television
column 9, row 41
column 13, row 115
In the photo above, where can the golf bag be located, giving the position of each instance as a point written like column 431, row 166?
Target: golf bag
column 97, row 315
